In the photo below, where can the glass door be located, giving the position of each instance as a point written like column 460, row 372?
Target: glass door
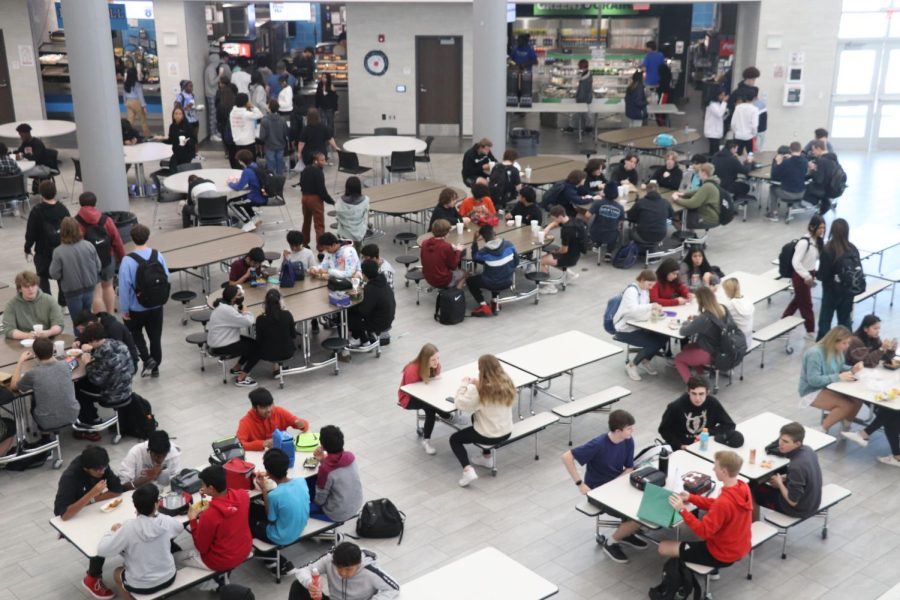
column 855, row 92
column 887, row 108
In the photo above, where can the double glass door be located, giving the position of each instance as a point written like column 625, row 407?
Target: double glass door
column 866, row 100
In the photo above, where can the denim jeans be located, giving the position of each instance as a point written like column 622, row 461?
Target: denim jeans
column 835, row 302
column 275, row 161
column 79, row 302
column 649, row 343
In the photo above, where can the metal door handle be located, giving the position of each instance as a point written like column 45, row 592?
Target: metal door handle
column 421, row 89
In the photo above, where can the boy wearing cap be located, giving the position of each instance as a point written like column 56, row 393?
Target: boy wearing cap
column 797, row 493
column 606, row 228
column 256, row 427
column 242, row 268
column 693, row 411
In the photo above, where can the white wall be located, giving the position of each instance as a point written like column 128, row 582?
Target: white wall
column 370, row 96
column 27, row 91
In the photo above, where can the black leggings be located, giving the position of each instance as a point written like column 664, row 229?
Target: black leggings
column 469, row 436
column 890, row 420
column 245, row 348
column 475, row 285
column 298, row 592
column 430, row 415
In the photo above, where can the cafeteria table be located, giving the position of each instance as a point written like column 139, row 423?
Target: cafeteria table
column 40, row 128
column 178, row 182
column 382, row 146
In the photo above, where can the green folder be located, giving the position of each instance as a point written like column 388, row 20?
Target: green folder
column 655, row 507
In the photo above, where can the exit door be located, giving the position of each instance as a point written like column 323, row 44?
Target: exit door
column 7, row 113
column 439, row 85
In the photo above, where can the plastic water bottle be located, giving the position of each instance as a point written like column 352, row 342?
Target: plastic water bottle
column 704, row 440
column 316, row 581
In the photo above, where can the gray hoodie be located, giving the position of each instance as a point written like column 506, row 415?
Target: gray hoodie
column 76, row 267
column 369, row 582
column 353, row 217
column 144, row 542
column 211, row 75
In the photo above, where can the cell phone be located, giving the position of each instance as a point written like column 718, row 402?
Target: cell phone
column 73, row 363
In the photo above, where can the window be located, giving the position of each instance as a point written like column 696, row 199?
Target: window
column 856, row 70
column 865, row 5
column 849, row 121
column 863, row 25
column 889, row 126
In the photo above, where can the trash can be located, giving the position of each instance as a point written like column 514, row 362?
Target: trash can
column 525, row 141
column 124, row 221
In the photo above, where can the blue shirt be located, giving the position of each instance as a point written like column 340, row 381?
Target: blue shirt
column 608, row 215
column 604, row 460
column 288, row 511
column 250, row 180
column 651, row 66
column 128, row 301
column 524, row 56
column 791, row 173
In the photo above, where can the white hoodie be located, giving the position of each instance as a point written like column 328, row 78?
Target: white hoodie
column 635, row 306
column 144, row 543
column 713, row 120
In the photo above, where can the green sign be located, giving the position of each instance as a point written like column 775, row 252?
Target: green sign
column 586, row 9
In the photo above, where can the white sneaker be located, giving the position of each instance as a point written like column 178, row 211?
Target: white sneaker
column 889, row 460
column 854, row 437
column 429, row 449
column 632, row 372
column 248, row 226
column 215, row 138
column 469, row 475
column 572, row 275
column 810, row 336
column 647, row 367
column 355, row 343
column 548, row 288
column 482, row 461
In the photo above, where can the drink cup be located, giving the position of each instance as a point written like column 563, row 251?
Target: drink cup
column 182, row 140
column 623, row 191
column 518, row 220
column 527, row 172
column 753, row 456
column 534, row 225
column 59, row 348
column 540, row 236
column 459, row 228
column 38, row 328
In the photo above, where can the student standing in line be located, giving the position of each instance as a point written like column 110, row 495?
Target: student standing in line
column 183, row 139
column 839, row 257
column 824, row 364
column 714, row 120
column 314, row 196
column 258, row 96
column 76, row 267
column 424, row 367
column 185, row 101
column 607, row 457
column 273, row 132
column 692, row 412
column 42, row 233
column 636, row 305
column 489, row 397
column 803, row 275
column 798, row 492
column 745, row 124
column 746, row 89
column 326, row 100
column 651, row 63
column 315, row 137
column 89, row 217
column 636, row 101
column 243, row 118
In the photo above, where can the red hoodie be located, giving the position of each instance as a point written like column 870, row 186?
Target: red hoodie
column 726, row 526
column 666, row 293
column 439, row 260
column 91, row 215
column 222, row 532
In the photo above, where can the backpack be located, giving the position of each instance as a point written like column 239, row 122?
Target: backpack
column 732, row 345
column 583, row 237
column 151, row 284
column 51, row 232
column 136, row 418
column 380, row 519
column 551, row 196
column 786, row 257
column 849, row 273
column 450, row 306
column 501, row 189
column 726, row 206
column 96, row 235
column 287, row 278
column 837, row 183
column 267, row 182
column 612, row 307
column 626, row 256
column 678, row 582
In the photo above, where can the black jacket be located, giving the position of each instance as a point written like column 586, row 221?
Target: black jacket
column 649, row 214
column 728, row 167
column 312, row 182
column 682, row 422
column 451, row 215
column 42, row 228
column 670, row 182
column 473, row 163
column 619, row 174
column 636, row 103
column 116, row 330
column 828, row 270
column 378, row 305
column 326, row 99
column 741, row 91
column 186, row 153
column 826, row 165
column 275, row 336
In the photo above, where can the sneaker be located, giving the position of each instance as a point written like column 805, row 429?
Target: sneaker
column 215, row 137
column 634, row 541
column 615, row 552
column 245, row 382
column 889, row 460
column 482, row 461
column 772, row 217
column 810, row 336
column 96, row 587
column 355, row 343
column 235, row 370
column 483, row 311
column 155, row 372
column 469, row 475
column 429, row 449
column 548, row 288
column 248, row 226
column 714, row 575
column 854, row 437
column 149, row 365
column 632, row 372
column 647, row 367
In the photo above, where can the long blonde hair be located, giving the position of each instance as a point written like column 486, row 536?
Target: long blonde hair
column 494, row 385
column 707, row 302
column 422, row 360
column 829, row 342
column 732, row 288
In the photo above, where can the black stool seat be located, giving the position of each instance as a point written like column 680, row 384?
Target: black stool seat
column 184, row 296
column 198, row 338
column 416, row 275
column 272, row 256
column 333, row 213
column 405, row 237
column 407, row 259
column 537, row 276
column 335, row 344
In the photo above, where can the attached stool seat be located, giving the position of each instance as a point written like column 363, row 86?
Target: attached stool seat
column 201, row 316
column 185, row 297
column 538, row 277
column 406, row 260
column 199, row 340
column 405, row 238
column 111, row 421
column 334, row 346
column 415, row 275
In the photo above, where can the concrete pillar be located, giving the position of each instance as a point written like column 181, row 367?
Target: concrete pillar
column 489, row 72
column 95, row 97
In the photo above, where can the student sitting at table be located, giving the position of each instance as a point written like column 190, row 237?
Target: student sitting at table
column 247, row 266
column 702, row 204
column 54, row 405
column 740, row 309
column 668, row 175
column 440, row 260
column 256, row 427
column 594, row 179
column 226, row 322
column 696, row 271
column 352, row 212
column 250, row 181
column 650, row 216
column 29, row 307
column 499, row 258
column 347, row 568
column 636, row 306
column 476, row 161
column 221, row 530
column 88, row 480
column 527, row 207
column 373, row 253
column 823, row 364
column 110, row 371
column 489, row 397
column 707, row 325
column 606, row 228
column 275, row 332
column 867, row 346
column 157, row 461
column 425, row 366
column 607, row 457
column 725, row 528
column 374, row 314
column 280, row 516
column 445, row 209
column 479, row 208
column 571, row 236
column 115, row 330
column 626, row 170
column 798, row 492
column 692, row 412
column 570, row 197
column 669, row 289
column 691, row 179
column 339, row 493
column 728, row 166
column 299, row 252
column 340, row 260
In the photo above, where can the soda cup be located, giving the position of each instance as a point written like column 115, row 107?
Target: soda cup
column 518, row 220
column 459, row 228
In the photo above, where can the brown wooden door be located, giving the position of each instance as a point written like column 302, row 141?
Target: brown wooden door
column 439, row 85
column 7, row 113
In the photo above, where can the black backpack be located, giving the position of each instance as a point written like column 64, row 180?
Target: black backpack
column 500, row 186
column 450, row 306
column 786, row 257
column 583, row 236
column 51, row 232
column 96, row 234
column 732, row 344
column 837, row 183
column 726, row 206
column 151, row 284
column 678, row 582
column 850, row 274
column 551, row 196
column 380, row 519
column 269, row 182
column 136, row 418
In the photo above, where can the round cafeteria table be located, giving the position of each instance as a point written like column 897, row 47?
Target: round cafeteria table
column 179, row 181
column 381, row 146
column 138, row 154
column 25, row 164
column 40, row 128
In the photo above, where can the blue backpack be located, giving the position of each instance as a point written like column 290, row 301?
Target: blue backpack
column 612, row 307
column 551, row 196
column 626, row 256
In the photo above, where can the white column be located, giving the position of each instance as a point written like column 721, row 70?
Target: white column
column 95, row 97
column 489, row 72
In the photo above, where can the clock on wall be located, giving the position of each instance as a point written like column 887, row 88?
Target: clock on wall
column 376, row 62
